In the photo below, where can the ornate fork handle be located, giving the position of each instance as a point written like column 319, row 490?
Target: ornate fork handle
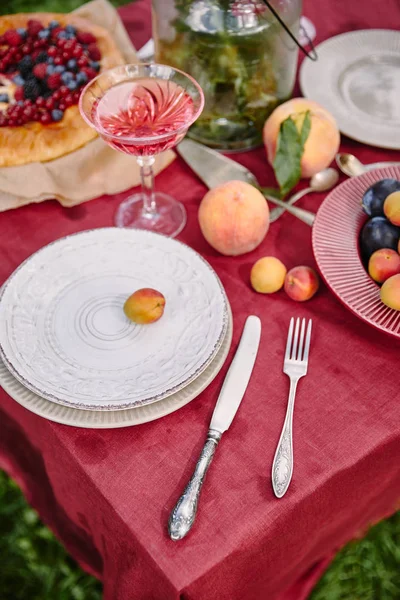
column 184, row 513
column 282, row 467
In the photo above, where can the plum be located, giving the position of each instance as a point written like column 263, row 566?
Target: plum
column 375, row 196
column 378, row 233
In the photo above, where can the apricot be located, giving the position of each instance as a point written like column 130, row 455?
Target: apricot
column 144, row 306
column 323, row 140
column 391, row 208
column 390, row 292
column 234, row 218
column 383, row 264
column 301, row 283
column 268, row 275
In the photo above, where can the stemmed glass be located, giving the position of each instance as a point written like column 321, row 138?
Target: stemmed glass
column 144, row 109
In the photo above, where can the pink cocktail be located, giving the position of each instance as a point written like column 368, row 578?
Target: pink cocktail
column 144, row 110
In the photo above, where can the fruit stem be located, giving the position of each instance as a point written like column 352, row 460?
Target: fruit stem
column 147, row 178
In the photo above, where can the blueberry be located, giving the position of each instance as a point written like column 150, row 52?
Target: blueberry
column 44, row 34
column 20, row 102
column 4, row 98
column 95, row 65
column 53, row 24
column 50, row 69
column 50, row 60
column 81, row 78
column 57, row 114
column 72, row 85
column 59, row 69
column 22, row 32
column 18, row 80
column 71, row 64
column 70, row 29
column 62, row 35
column 67, row 76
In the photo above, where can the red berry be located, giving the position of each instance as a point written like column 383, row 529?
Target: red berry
column 40, row 70
column 12, row 122
column 35, row 54
column 40, row 101
column 94, row 52
column 49, row 104
column 58, row 60
column 85, row 37
column 12, row 37
column 76, row 95
column 28, row 102
column 52, row 51
column 57, row 95
column 34, row 26
column 19, row 94
column 68, row 100
column 61, row 42
column 45, row 118
column 53, row 81
column 77, row 51
column 89, row 72
column 26, row 48
column 36, row 44
column 12, row 52
column 55, row 31
column 63, row 91
column 18, row 56
column 83, row 61
column 3, row 66
column 66, row 56
column 28, row 112
column 69, row 44
column 62, row 105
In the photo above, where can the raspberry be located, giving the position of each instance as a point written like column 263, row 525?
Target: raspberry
column 40, row 101
column 77, row 51
column 52, row 51
column 82, row 61
column 26, row 49
column 53, row 81
column 84, row 37
column 89, row 72
column 40, row 70
column 19, row 94
column 64, row 91
column 34, row 26
column 94, row 52
column 12, row 38
column 58, row 60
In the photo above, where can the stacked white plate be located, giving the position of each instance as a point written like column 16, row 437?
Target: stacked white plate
column 70, row 354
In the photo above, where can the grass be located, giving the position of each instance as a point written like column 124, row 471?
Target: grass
column 64, row 6
column 35, row 566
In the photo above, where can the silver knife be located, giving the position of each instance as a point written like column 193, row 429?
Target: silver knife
column 233, row 389
column 214, row 168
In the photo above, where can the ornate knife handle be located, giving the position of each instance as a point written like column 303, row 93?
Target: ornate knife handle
column 184, row 513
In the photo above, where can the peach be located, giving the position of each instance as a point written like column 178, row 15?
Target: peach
column 144, row 306
column 383, row 264
column 323, row 140
column 391, row 208
column 234, row 218
column 268, row 275
column 301, row 283
column 390, row 292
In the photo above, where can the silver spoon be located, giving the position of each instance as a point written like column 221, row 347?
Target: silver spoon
column 320, row 182
column 351, row 166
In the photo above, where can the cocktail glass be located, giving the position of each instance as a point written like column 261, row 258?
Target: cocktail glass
column 144, row 109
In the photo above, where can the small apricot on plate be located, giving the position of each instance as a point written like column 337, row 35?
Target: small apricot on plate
column 144, row 306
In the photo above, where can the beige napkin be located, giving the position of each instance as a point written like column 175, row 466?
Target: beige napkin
column 91, row 171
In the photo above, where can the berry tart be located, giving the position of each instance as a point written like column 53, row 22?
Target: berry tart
column 45, row 61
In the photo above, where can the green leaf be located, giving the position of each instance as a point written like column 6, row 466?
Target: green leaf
column 290, row 150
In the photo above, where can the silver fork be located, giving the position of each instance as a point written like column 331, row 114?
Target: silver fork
column 295, row 366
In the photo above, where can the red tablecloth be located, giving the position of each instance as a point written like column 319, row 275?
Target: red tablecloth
column 108, row 494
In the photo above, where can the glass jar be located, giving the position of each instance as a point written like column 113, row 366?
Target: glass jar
column 241, row 56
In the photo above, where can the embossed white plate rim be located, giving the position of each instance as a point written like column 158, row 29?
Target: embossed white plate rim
column 113, row 419
column 120, row 405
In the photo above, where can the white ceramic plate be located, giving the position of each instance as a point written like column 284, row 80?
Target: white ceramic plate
column 64, row 335
column 357, row 78
column 111, row 419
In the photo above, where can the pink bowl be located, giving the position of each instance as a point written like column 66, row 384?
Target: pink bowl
column 335, row 240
